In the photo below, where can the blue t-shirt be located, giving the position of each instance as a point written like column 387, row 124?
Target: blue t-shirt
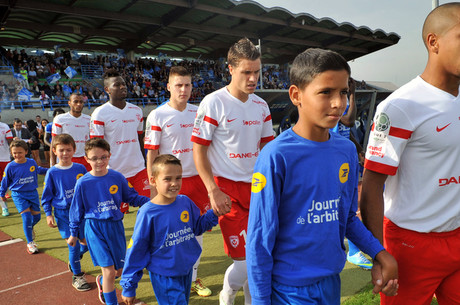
column 303, row 204
column 164, row 241
column 341, row 129
column 100, row 197
column 21, row 177
column 59, row 186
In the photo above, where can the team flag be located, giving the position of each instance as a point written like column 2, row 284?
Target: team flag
column 66, row 88
column 19, row 76
column 53, row 78
column 70, row 72
column 25, row 94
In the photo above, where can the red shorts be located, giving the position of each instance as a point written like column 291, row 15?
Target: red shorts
column 83, row 162
column 193, row 188
column 428, row 264
column 140, row 182
column 2, row 168
column 234, row 225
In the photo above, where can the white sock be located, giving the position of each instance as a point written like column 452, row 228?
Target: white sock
column 247, row 294
column 199, row 239
column 235, row 277
column 3, row 204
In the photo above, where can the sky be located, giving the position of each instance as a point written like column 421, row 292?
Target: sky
column 397, row 64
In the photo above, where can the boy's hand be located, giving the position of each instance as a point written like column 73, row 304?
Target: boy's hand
column 220, row 202
column 72, row 241
column 385, row 274
column 128, row 300
column 50, row 221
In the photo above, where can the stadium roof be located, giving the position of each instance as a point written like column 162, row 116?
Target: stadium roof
column 182, row 28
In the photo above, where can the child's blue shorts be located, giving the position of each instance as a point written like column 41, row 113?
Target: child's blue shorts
column 26, row 199
column 62, row 220
column 324, row 292
column 106, row 242
column 171, row 289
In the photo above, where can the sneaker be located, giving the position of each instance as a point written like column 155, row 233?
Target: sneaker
column 360, row 260
column 32, row 248
column 5, row 212
column 79, row 282
column 99, row 289
column 200, row 289
column 226, row 299
column 7, row 196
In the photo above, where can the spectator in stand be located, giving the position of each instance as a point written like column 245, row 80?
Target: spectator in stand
column 32, row 75
column 44, row 99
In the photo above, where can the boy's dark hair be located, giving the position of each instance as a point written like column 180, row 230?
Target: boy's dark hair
column 19, row 143
column 242, row 49
column 314, row 61
column 58, row 111
column 63, row 139
column 163, row 160
column 179, row 70
column 96, row 143
column 108, row 74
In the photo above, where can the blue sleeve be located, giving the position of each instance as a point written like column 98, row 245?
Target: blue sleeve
column 137, row 255
column 130, row 195
column 204, row 222
column 77, row 210
column 6, row 181
column 263, row 227
column 356, row 231
column 42, row 170
column 48, row 194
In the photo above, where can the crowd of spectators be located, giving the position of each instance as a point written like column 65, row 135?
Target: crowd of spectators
column 146, row 78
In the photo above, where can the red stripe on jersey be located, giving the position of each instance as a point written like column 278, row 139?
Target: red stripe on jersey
column 268, row 118
column 98, row 122
column 155, row 128
column 93, row 136
column 60, row 126
column 151, row 147
column 9, row 134
column 200, row 141
column 400, row 133
column 142, row 120
column 140, row 132
column 267, row 139
column 210, row 120
column 54, row 134
column 380, row 168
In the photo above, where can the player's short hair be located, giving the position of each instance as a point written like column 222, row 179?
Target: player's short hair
column 311, row 62
column 58, row 111
column 19, row 143
column 75, row 94
column 163, row 160
column 440, row 19
column 96, row 143
column 17, row 120
column 180, row 71
column 109, row 74
column 242, row 49
column 63, row 139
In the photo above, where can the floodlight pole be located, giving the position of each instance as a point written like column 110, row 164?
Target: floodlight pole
column 434, row 4
column 260, row 73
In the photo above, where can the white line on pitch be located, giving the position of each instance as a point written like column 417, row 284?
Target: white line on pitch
column 9, row 242
column 33, row 282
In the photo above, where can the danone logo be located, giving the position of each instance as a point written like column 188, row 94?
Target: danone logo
column 184, row 216
column 343, row 172
column 32, row 168
column 79, row 176
column 258, row 182
column 113, row 189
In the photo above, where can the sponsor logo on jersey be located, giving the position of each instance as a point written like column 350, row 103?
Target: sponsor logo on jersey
column 258, row 102
column 131, row 242
column 229, row 121
column 113, row 189
column 128, row 121
column 234, row 240
column 196, row 131
column 199, row 117
column 79, row 176
column 182, row 151
column 80, row 126
column 243, row 155
column 343, row 172
column 169, row 125
column 184, row 217
column 439, row 129
column 447, row 181
column 250, row 123
column 258, row 182
column 382, row 126
column 126, row 141
column 376, row 151
column 32, row 168
column 186, row 125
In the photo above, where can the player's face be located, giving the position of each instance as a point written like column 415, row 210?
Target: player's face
column 17, row 126
column 168, row 182
column 76, row 104
column 98, row 158
column 449, row 50
column 180, row 88
column 19, row 154
column 116, row 88
column 64, row 152
column 321, row 104
column 244, row 77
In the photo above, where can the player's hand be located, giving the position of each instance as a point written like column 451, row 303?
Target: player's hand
column 385, row 274
column 72, row 241
column 220, row 202
column 50, row 221
column 128, row 300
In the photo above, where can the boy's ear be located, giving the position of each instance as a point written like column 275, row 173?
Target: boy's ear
column 294, row 95
column 152, row 180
